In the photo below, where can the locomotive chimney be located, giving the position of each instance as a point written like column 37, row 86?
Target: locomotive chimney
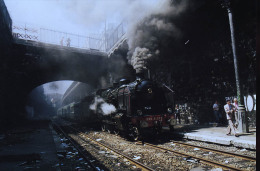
column 139, row 75
column 144, row 74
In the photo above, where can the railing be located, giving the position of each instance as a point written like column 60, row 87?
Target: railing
column 57, row 37
column 115, row 35
column 102, row 43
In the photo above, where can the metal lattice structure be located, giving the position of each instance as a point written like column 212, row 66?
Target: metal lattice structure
column 58, row 38
column 115, row 36
column 104, row 43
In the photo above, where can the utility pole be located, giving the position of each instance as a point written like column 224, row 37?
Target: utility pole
column 105, row 36
column 242, row 115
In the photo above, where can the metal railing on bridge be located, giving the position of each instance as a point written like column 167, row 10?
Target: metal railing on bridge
column 115, row 35
column 104, row 42
column 58, row 37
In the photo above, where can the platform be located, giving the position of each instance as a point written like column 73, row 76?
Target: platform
column 216, row 135
column 28, row 147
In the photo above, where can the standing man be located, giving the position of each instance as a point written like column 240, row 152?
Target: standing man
column 68, row 42
column 177, row 114
column 229, row 109
column 236, row 111
column 216, row 111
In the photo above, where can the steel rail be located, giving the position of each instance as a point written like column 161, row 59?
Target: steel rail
column 201, row 160
column 76, row 146
column 138, row 164
column 217, row 151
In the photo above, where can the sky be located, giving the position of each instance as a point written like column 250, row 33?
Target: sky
column 50, row 14
column 61, row 87
column 84, row 17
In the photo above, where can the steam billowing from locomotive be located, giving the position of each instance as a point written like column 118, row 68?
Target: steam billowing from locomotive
column 100, row 106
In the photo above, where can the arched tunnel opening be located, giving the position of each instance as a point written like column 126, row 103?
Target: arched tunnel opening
column 44, row 100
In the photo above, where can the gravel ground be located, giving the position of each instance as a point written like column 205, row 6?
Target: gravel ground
column 165, row 160
column 235, row 162
column 156, row 159
column 107, row 157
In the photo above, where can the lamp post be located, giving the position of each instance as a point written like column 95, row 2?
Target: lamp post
column 242, row 115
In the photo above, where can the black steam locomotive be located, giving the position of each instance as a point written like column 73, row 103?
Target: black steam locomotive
column 141, row 106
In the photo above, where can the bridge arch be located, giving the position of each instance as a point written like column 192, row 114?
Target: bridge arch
column 42, row 63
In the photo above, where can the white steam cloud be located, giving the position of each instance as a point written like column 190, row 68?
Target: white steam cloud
column 99, row 105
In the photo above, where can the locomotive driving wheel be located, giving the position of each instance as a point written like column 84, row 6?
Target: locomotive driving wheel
column 103, row 127
column 135, row 133
column 108, row 128
column 115, row 130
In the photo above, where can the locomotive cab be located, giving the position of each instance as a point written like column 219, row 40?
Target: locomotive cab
column 142, row 105
column 148, row 99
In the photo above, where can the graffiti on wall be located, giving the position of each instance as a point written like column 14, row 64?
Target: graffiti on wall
column 249, row 101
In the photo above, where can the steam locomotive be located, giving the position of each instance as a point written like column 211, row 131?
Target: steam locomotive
column 141, row 106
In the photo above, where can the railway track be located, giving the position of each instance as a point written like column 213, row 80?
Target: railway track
column 82, row 153
column 217, row 151
column 138, row 164
column 209, row 162
column 134, row 162
column 200, row 159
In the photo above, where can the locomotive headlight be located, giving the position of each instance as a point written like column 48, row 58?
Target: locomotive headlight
column 169, row 110
column 172, row 121
column 150, row 90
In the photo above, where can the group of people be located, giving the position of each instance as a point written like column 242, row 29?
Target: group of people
column 68, row 41
column 231, row 110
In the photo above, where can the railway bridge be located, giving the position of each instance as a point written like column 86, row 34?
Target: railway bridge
column 33, row 56
column 40, row 63
column 45, row 55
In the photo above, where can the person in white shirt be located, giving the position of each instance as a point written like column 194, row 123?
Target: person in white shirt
column 229, row 109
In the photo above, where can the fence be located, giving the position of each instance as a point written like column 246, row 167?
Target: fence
column 104, row 42
column 57, row 37
column 112, row 37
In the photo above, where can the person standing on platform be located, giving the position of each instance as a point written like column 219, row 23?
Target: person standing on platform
column 236, row 111
column 216, row 112
column 177, row 114
column 229, row 109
